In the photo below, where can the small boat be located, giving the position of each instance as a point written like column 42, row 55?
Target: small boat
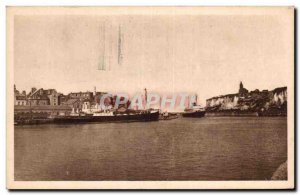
column 168, row 116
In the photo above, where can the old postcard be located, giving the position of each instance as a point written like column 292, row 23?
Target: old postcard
column 150, row 97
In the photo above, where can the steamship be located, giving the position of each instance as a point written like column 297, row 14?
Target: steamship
column 196, row 112
column 142, row 116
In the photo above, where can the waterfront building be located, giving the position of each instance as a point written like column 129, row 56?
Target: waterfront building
column 43, row 97
column 37, row 97
column 19, row 98
column 73, row 103
column 62, row 99
column 81, row 95
column 53, row 96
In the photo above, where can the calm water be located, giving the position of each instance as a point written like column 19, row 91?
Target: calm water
column 181, row 149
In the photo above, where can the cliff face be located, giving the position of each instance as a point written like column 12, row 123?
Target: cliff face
column 263, row 102
column 223, row 102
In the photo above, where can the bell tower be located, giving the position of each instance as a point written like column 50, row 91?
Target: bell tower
column 241, row 86
column 242, row 91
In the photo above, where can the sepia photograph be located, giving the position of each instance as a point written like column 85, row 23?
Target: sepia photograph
column 150, row 97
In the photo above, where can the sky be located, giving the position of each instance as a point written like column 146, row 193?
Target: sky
column 204, row 54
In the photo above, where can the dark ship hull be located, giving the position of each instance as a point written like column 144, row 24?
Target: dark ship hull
column 142, row 117
column 195, row 114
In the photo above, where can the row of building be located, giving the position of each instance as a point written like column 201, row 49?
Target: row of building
column 50, row 97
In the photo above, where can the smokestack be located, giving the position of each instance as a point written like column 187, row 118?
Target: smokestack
column 95, row 97
column 146, row 95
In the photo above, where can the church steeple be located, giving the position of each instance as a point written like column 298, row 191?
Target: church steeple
column 242, row 91
column 241, row 85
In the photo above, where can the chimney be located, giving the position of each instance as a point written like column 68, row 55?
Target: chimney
column 33, row 89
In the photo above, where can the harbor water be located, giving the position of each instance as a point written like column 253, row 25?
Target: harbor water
column 209, row 148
